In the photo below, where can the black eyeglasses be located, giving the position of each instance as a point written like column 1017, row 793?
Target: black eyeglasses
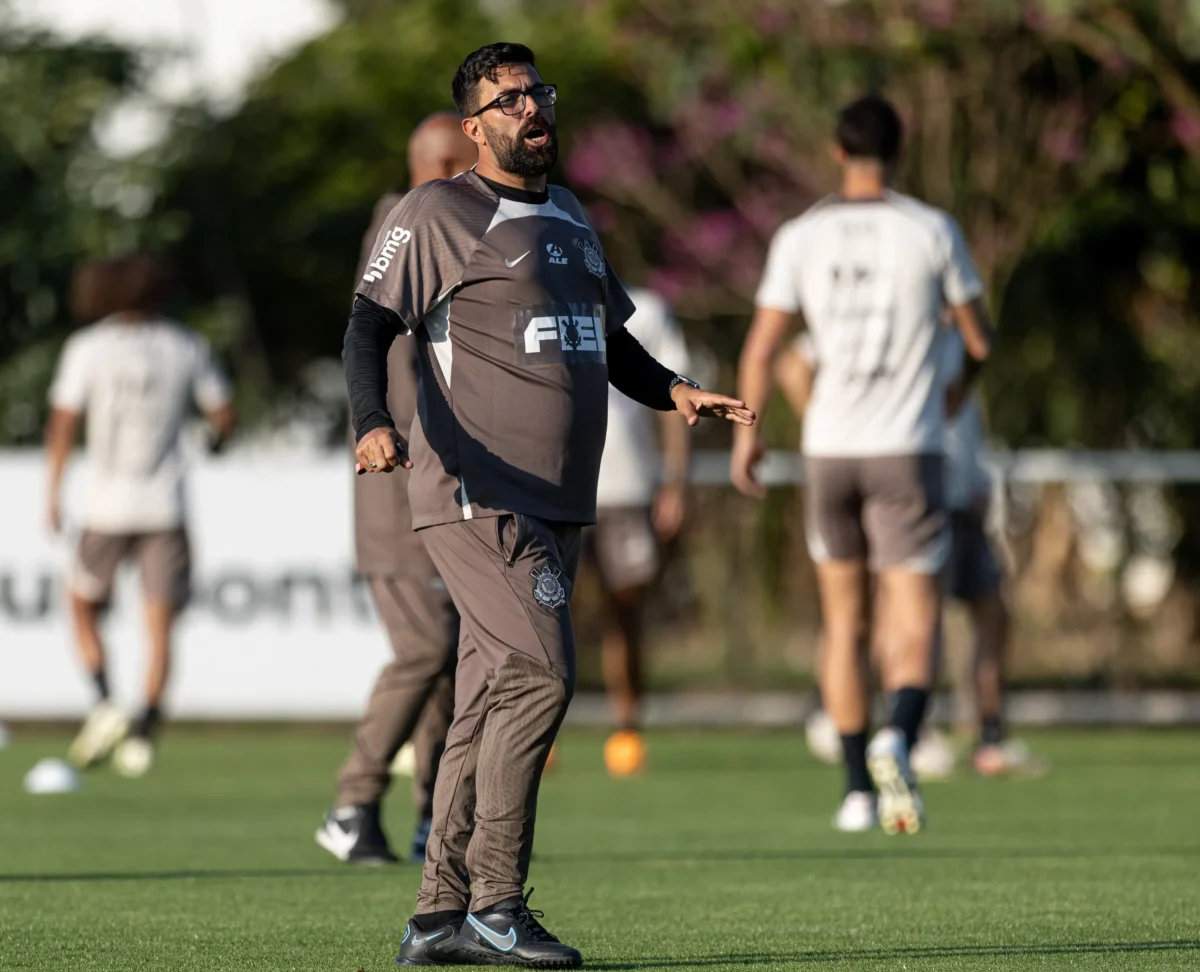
column 513, row 102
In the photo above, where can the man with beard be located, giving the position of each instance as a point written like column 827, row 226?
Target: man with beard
column 519, row 324
column 416, row 689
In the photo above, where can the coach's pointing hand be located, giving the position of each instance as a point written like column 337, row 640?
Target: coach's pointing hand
column 382, row 450
column 692, row 403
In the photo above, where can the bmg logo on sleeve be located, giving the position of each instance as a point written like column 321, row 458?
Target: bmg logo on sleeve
column 395, row 239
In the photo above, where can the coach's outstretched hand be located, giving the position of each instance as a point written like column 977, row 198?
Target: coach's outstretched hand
column 695, row 403
column 381, row 450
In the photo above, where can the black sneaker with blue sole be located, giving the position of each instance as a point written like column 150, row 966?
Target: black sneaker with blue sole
column 509, row 933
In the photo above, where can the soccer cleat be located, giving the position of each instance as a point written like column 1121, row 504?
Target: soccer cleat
column 436, row 946
column 857, row 813
column 133, row 756
column 420, row 841
column 1008, row 759
column 625, row 753
column 105, row 726
column 901, row 810
column 354, row 835
column 509, row 933
column 822, row 737
column 933, row 757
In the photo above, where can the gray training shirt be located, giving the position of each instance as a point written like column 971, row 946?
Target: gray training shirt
column 511, row 303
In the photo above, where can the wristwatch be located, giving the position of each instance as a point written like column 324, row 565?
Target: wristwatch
column 681, row 380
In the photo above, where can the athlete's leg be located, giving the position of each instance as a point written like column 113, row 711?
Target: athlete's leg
column 422, row 629
column 510, row 578
column 990, row 620
column 90, row 585
column 843, row 677
column 621, row 655
column 429, row 740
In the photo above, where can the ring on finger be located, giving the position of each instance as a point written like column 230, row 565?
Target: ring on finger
column 374, row 465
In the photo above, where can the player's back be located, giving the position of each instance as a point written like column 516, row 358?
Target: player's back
column 873, row 278
column 136, row 382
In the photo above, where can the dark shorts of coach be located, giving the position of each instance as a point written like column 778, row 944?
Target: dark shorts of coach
column 164, row 560
column 973, row 573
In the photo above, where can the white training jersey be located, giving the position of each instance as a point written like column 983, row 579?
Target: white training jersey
column 136, row 382
column 872, row 279
column 964, row 446
column 630, row 464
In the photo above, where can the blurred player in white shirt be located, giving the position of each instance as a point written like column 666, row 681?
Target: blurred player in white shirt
column 136, row 377
column 973, row 576
column 872, row 272
column 637, row 514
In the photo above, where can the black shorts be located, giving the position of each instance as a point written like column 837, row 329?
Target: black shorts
column 972, row 572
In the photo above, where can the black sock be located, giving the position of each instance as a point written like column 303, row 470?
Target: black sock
column 991, row 731
column 148, row 722
column 854, row 757
column 908, row 711
column 100, row 679
column 508, row 904
column 437, row 919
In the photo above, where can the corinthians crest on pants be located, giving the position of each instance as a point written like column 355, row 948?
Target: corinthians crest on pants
column 548, row 590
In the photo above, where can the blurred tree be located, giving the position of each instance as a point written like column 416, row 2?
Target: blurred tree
column 63, row 200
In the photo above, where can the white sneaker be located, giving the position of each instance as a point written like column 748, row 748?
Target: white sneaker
column 857, row 813
column 133, row 756
column 900, row 807
column 933, row 757
column 105, row 726
column 1009, row 758
column 822, row 737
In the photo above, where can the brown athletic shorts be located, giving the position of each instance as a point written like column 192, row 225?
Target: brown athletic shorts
column 624, row 547
column 164, row 557
column 973, row 572
column 887, row 510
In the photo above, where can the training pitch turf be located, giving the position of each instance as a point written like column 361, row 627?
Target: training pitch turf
column 721, row 858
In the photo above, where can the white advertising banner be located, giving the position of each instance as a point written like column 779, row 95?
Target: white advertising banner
column 279, row 625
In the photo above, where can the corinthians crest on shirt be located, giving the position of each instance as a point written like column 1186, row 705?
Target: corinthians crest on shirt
column 548, row 590
column 593, row 259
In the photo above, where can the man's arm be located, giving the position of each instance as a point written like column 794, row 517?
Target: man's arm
column 971, row 320
column 632, row 371
column 369, row 335
column 61, row 430
column 768, row 331
column 670, row 502
column 223, row 420
column 795, row 373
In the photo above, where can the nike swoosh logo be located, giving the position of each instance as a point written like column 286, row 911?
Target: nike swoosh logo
column 505, row 944
column 513, row 263
column 427, row 938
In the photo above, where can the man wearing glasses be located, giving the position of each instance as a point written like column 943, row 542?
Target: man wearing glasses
column 519, row 322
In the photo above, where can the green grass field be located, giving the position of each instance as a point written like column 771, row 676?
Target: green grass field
column 722, row 858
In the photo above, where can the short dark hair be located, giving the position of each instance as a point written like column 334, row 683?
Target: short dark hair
column 870, row 128
column 136, row 282
column 480, row 64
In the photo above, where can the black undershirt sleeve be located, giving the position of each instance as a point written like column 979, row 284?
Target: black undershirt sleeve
column 633, row 372
column 369, row 335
